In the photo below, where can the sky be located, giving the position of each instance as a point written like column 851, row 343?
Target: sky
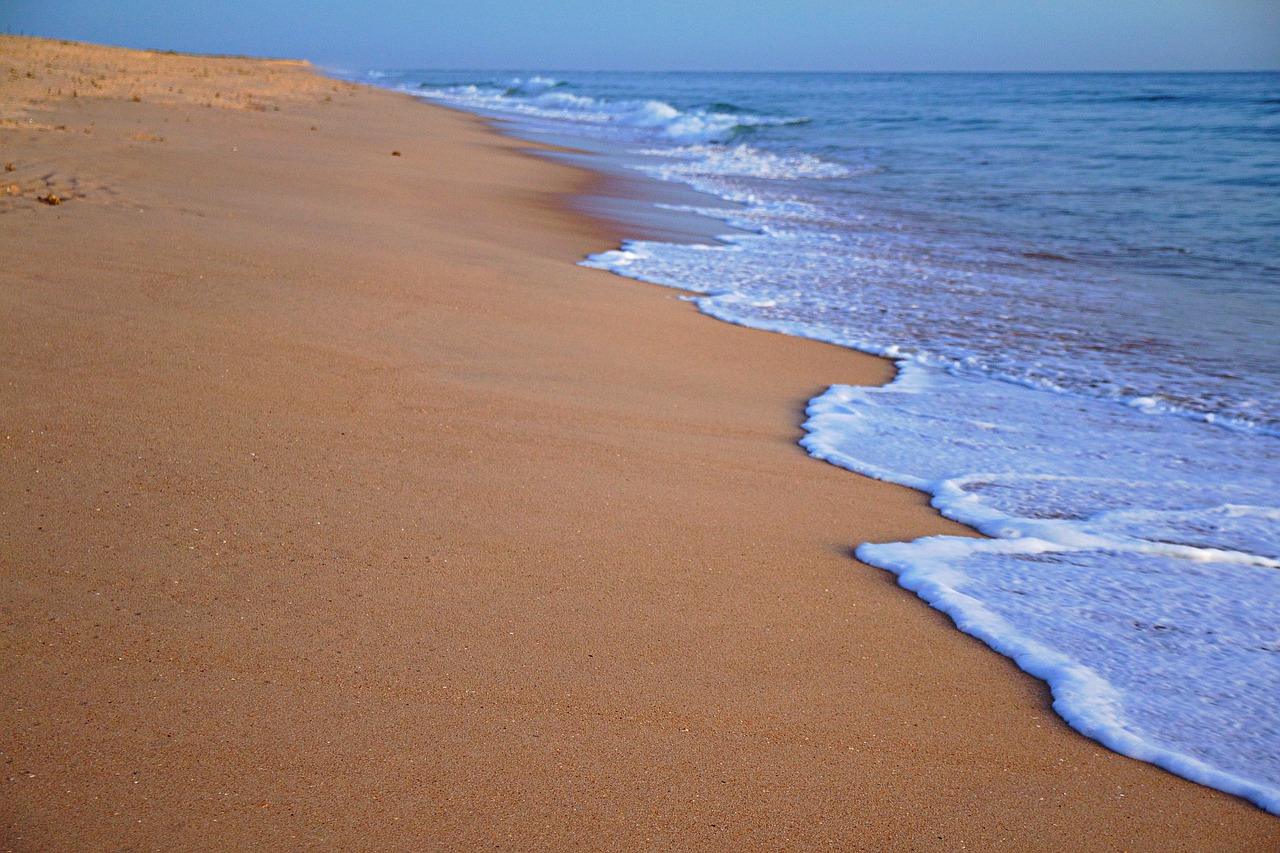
column 698, row 35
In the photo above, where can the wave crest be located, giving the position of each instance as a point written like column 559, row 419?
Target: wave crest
column 545, row 97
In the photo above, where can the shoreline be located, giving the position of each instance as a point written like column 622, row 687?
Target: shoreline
column 347, row 510
column 659, row 212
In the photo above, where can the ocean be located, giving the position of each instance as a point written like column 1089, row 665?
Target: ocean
column 1078, row 276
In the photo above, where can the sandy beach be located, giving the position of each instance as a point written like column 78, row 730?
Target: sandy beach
column 341, row 510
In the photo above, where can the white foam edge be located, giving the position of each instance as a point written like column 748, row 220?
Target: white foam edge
column 1080, row 696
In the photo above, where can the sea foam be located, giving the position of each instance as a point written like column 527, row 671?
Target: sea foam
column 1130, row 568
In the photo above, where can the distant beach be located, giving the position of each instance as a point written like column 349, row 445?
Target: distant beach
column 345, row 509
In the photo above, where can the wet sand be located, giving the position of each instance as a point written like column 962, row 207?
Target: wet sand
column 342, row 511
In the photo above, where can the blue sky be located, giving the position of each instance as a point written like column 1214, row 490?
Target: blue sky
column 853, row 35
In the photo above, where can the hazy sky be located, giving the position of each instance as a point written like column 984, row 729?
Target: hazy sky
column 854, row 35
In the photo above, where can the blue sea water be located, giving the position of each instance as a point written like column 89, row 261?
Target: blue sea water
column 1079, row 277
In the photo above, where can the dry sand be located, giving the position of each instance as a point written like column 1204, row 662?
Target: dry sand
column 342, row 511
